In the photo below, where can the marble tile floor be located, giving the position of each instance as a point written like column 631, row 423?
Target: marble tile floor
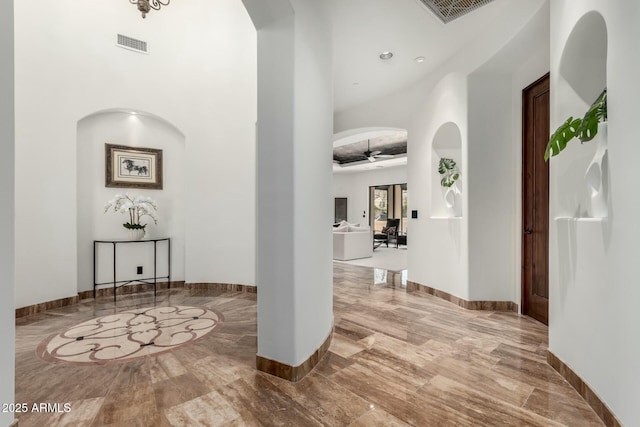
column 396, row 359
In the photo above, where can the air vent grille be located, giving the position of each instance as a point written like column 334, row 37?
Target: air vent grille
column 132, row 44
column 448, row 10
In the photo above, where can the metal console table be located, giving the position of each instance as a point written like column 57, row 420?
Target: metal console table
column 148, row 280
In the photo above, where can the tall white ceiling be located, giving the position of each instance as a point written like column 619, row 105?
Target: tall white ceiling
column 365, row 28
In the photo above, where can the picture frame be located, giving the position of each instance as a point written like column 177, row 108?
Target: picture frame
column 133, row 167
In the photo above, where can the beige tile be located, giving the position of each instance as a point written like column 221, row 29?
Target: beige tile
column 351, row 330
column 377, row 418
column 569, row 410
column 176, row 390
column 484, row 408
column 126, row 404
column 345, row 347
column 209, row 410
column 315, row 390
column 216, row 371
column 262, row 400
column 476, row 377
column 81, row 413
column 165, row 366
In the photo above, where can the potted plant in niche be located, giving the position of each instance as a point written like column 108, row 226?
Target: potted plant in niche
column 137, row 207
column 585, row 128
column 594, row 121
column 450, row 174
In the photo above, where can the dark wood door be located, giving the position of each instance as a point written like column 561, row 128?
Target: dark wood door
column 535, row 201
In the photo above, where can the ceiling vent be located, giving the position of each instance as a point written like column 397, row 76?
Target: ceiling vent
column 132, row 44
column 448, row 10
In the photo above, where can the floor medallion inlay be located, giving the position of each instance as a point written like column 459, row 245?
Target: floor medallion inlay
column 130, row 335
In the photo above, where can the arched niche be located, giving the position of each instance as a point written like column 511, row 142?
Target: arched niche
column 129, row 112
column 584, row 58
column 136, row 129
column 583, row 189
column 446, row 143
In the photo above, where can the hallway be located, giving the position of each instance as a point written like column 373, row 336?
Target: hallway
column 395, row 359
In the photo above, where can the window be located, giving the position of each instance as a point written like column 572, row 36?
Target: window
column 380, row 207
column 404, row 210
column 388, row 201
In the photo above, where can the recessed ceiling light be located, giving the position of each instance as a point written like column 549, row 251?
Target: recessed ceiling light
column 420, row 59
column 386, row 55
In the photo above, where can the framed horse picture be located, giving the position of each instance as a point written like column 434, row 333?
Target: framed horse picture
column 133, row 167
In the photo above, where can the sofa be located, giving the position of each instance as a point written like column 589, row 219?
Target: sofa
column 350, row 241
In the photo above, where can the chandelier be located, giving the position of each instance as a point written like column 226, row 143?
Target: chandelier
column 144, row 6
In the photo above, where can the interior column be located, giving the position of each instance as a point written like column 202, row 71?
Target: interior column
column 294, row 188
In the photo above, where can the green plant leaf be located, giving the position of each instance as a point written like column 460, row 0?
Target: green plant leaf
column 447, row 181
column 561, row 137
column 447, row 168
column 446, row 165
column 597, row 113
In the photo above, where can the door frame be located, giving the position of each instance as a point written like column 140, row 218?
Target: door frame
column 521, row 229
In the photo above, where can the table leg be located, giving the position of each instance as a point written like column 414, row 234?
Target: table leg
column 114, row 272
column 94, row 270
column 155, row 274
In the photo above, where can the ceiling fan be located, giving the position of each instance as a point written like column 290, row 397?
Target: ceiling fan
column 372, row 156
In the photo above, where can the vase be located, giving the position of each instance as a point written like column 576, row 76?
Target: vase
column 452, row 201
column 136, row 233
column 596, row 177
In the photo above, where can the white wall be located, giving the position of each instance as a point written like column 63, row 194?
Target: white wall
column 439, row 245
column 200, row 77
column 275, row 205
column 355, row 187
column 138, row 130
column 475, row 257
column 7, row 312
column 313, row 204
column 523, row 60
column 581, row 75
column 593, row 315
column 489, row 176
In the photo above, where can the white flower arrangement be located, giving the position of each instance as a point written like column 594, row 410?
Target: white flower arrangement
column 136, row 206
